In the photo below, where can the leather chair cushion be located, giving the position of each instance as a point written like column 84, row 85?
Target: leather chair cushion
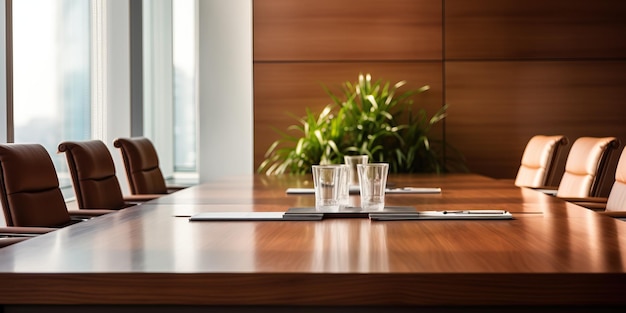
column 98, row 195
column 30, row 169
column 93, row 162
column 93, row 170
column 582, row 166
column 142, row 165
column 31, row 204
column 536, row 160
column 31, row 187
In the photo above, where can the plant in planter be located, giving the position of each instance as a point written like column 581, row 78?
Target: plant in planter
column 370, row 117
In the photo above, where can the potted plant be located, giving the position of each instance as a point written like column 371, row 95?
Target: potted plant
column 370, row 117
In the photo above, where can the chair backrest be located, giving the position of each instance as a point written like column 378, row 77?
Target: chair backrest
column 93, row 175
column 538, row 160
column 29, row 187
column 585, row 166
column 617, row 197
column 141, row 162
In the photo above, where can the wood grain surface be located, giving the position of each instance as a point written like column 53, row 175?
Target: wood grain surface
column 551, row 253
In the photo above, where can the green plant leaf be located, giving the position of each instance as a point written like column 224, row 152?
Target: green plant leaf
column 372, row 117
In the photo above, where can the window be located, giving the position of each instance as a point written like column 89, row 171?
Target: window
column 63, row 69
column 52, row 74
column 169, row 32
column 185, row 95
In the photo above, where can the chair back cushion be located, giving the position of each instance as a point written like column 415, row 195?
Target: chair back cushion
column 141, row 162
column 30, row 187
column 617, row 197
column 538, row 160
column 93, row 175
column 586, row 162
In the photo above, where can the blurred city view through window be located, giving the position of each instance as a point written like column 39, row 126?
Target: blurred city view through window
column 52, row 48
column 52, row 70
column 185, row 93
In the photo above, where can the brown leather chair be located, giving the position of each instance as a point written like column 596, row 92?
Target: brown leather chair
column 615, row 204
column 93, row 176
column 585, row 166
column 30, row 193
column 538, row 161
column 141, row 162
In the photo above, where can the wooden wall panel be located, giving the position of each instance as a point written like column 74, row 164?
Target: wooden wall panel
column 289, row 88
column 535, row 29
column 513, row 69
column 347, row 30
column 497, row 106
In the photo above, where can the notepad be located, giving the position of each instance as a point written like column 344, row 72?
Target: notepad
column 444, row 215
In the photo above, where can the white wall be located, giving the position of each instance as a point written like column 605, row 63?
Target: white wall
column 225, row 89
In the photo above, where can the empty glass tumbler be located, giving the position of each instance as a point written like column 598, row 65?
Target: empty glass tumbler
column 372, row 182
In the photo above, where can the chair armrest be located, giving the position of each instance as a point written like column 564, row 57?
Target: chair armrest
column 592, row 203
column 19, row 231
column 142, row 198
column 586, row 199
column 7, row 241
column 594, row 206
column 88, row 213
column 173, row 188
column 616, row 214
column 133, row 200
column 549, row 190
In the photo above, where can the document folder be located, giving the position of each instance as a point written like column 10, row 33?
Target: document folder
column 444, row 215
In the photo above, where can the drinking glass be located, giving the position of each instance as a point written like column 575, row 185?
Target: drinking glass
column 372, row 183
column 327, row 182
column 352, row 161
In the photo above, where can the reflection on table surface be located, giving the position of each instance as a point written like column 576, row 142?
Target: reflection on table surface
column 550, row 248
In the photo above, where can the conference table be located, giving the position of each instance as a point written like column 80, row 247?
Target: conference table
column 151, row 257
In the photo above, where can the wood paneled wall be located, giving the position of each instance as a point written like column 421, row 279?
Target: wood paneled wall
column 508, row 69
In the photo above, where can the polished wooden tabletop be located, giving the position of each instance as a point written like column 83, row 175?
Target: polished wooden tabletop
column 551, row 253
